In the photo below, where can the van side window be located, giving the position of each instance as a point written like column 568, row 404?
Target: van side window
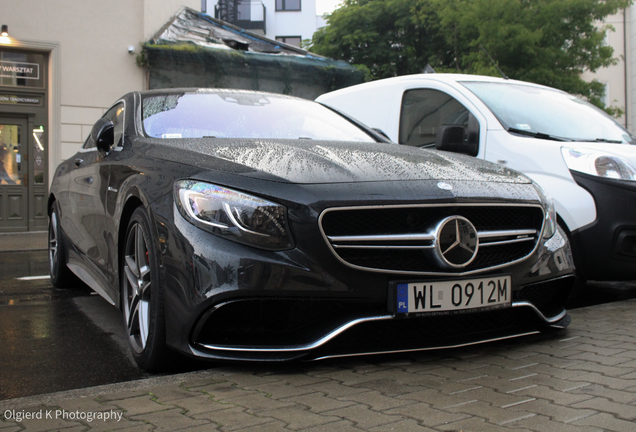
column 424, row 111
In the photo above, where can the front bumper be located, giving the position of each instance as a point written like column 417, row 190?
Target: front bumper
column 229, row 301
column 606, row 249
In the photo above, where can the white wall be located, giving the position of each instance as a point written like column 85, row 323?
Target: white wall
column 614, row 76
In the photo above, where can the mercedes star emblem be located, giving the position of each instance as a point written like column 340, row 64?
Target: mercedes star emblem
column 456, row 242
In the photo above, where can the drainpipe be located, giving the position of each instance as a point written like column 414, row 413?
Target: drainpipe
column 625, row 65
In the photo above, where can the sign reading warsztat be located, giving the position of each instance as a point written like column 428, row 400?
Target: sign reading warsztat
column 9, row 69
column 12, row 99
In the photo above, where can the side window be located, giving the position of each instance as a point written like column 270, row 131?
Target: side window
column 424, row 111
column 89, row 143
column 116, row 115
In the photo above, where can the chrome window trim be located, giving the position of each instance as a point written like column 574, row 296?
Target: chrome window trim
column 423, row 273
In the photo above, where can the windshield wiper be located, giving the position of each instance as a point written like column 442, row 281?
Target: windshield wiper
column 605, row 140
column 539, row 135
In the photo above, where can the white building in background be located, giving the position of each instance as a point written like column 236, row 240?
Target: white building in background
column 288, row 21
column 620, row 79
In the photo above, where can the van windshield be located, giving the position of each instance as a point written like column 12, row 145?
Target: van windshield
column 548, row 113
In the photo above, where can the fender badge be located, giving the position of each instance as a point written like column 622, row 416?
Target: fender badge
column 444, row 186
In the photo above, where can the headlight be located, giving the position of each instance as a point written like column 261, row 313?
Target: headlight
column 598, row 163
column 234, row 215
column 550, row 223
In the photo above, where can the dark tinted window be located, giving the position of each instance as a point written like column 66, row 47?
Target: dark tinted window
column 287, row 5
column 424, row 111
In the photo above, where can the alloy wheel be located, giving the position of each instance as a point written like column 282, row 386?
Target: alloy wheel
column 137, row 287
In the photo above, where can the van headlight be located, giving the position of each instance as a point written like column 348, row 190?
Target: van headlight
column 550, row 223
column 597, row 163
column 234, row 215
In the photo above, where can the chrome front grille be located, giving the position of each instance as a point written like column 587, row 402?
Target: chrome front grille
column 403, row 239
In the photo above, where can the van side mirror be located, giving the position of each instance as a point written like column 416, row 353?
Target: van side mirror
column 455, row 138
column 103, row 134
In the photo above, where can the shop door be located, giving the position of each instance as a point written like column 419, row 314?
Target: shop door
column 14, row 174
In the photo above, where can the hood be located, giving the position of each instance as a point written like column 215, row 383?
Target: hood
column 315, row 162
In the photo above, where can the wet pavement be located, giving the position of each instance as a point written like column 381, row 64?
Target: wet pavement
column 54, row 339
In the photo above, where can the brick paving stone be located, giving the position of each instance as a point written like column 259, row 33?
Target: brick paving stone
column 299, row 379
column 140, row 405
column 233, row 419
column 334, row 389
column 348, row 377
column 281, row 390
column 620, row 396
column 553, row 396
column 200, row 404
column 121, row 395
column 614, row 371
column 492, row 413
column 166, row 394
column 607, row 422
column 388, row 387
column 627, row 412
column 170, row 420
column 437, row 399
column 614, row 383
column 475, row 424
column 224, row 390
column 54, row 424
column 556, row 412
column 376, row 400
column 402, row 426
column 255, row 403
column 399, row 376
column 273, row 426
column 563, row 372
column 250, row 380
column 426, row 415
column 362, row 417
column 541, row 423
column 297, row 419
column 608, row 360
column 340, row 426
column 319, row 403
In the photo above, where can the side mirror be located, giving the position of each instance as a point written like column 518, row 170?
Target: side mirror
column 103, row 134
column 455, row 138
column 450, row 138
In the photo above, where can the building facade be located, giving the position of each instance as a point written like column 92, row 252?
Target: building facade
column 288, row 21
column 62, row 64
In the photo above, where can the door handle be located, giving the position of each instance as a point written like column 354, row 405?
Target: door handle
column 78, row 162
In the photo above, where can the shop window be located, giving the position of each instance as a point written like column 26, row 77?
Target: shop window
column 21, row 69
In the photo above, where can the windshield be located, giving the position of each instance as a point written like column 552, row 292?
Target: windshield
column 545, row 112
column 237, row 114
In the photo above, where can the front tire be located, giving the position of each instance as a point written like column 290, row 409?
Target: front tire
column 61, row 275
column 142, row 296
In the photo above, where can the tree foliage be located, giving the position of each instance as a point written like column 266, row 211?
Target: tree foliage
column 548, row 42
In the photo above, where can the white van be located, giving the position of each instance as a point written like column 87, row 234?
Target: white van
column 575, row 151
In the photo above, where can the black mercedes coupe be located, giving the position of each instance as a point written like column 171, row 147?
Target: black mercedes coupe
column 242, row 225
